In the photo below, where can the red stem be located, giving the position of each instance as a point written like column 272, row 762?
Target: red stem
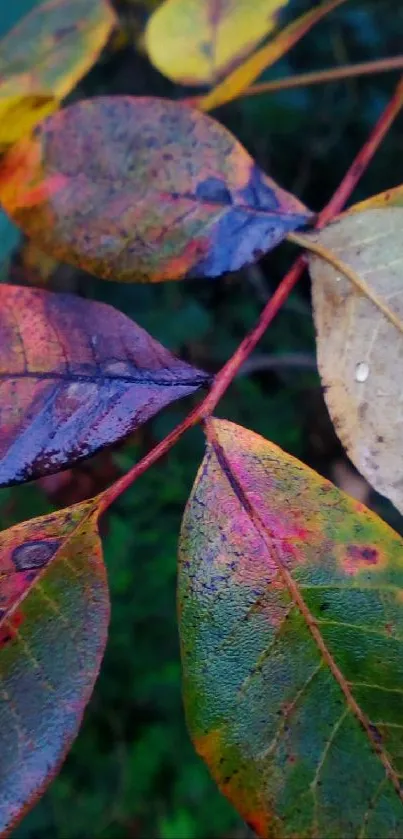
column 364, row 157
column 230, row 369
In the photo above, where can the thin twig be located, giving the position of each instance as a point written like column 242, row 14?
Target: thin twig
column 328, row 256
column 246, row 73
column 284, row 361
column 230, row 369
column 363, row 158
column 333, row 74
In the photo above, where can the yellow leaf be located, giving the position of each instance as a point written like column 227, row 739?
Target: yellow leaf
column 20, row 112
column 390, row 198
column 244, row 75
column 43, row 58
column 359, row 351
column 198, row 41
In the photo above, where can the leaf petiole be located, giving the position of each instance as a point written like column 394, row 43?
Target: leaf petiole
column 328, row 256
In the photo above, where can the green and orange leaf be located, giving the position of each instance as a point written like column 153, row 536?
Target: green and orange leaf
column 54, row 612
column 144, row 189
column 43, row 58
column 291, row 623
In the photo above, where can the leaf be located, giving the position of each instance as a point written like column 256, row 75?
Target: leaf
column 360, row 352
column 43, row 58
column 198, row 41
column 390, row 198
column 20, row 112
column 144, row 189
column 243, row 76
column 291, row 623
column 75, row 376
column 53, row 628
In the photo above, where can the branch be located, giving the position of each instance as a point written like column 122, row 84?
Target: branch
column 333, row 74
column 342, row 268
column 231, row 368
column 283, row 361
column 364, row 157
column 242, row 77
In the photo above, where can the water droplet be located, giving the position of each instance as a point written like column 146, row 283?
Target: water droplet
column 33, row 555
column 361, row 372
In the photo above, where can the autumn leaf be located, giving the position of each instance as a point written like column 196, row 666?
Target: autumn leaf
column 198, row 41
column 291, row 623
column 20, row 112
column 241, row 77
column 360, row 352
column 43, row 58
column 144, row 189
column 54, row 612
column 75, row 376
column 389, row 198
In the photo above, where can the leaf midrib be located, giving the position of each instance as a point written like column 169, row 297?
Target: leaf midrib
column 100, row 378
column 299, row 602
column 276, row 214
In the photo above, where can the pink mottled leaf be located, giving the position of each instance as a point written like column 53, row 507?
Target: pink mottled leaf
column 144, row 189
column 75, row 376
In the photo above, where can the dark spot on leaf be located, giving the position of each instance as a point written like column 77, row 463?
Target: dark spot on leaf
column 363, row 553
column 32, row 555
column 8, row 630
column 5, row 638
column 214, row 189
column 323, row 607
column 376, row 734
column 206, row 49
column 64, row 32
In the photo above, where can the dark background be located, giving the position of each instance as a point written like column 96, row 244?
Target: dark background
column 132, row 771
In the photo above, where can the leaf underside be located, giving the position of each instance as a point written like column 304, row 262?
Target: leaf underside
column 291, row 623
column 144, row 189
column 360, row 353
column 75, row 375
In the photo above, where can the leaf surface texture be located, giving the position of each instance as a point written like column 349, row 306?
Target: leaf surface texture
column 75, row 375
column 291, row 623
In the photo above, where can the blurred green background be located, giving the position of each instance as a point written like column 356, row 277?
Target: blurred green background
column 132, row 771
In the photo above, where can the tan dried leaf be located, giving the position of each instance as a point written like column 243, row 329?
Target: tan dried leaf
column 360, row 353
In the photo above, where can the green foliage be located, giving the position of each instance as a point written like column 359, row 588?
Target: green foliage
column 133, row 772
